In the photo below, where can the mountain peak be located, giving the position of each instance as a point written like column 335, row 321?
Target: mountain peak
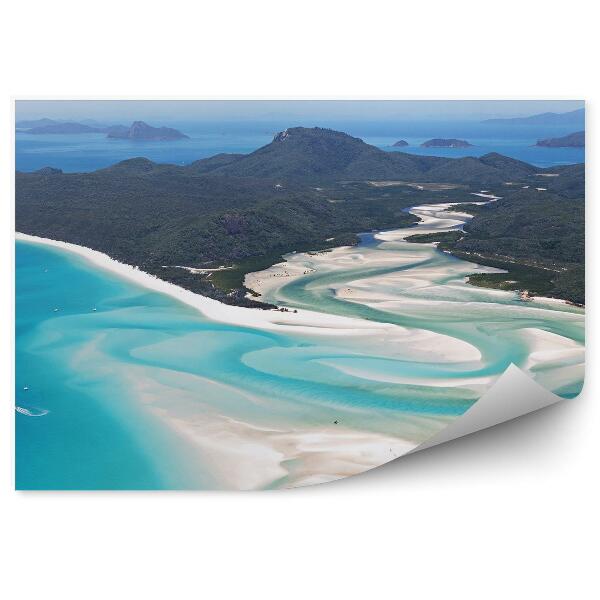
column 298, row 133
column 301, row 152
column 281, row 136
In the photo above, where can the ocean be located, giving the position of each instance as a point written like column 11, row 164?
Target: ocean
column 87, row 152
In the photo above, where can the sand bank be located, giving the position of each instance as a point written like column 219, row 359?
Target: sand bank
column 311, row 323
column 304, row 321
column 244, row 455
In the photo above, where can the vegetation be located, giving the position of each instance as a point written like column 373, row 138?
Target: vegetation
column 444, row 238
column 539, row 238
column 446, row 143
column 310, row 189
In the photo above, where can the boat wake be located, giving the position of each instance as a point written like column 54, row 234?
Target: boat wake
column 31, row 412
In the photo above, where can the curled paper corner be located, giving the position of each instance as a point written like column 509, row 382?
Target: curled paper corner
column 513, row 395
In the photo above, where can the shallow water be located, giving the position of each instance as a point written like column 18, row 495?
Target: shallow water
column 120, row 387
column 417, row 286
column 102, row 376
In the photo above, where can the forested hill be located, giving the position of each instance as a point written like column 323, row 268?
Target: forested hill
column 315, row 154
column 309, row 189
column 538, row 237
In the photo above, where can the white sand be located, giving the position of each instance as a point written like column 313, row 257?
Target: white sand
column 249, row 457
column 486, row 195
column 547, row 347
column 416, row 343
column 303, row 321
column 245, row 456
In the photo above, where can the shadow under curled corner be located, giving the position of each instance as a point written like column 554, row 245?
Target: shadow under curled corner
column 514, row 395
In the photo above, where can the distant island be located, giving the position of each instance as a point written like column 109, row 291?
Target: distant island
column 28, row 124
column 139, row 130
column 573, row 140
column 445, row 143
column 400, row 144
column 68, row 127
column 142, row 131
column 574, row 117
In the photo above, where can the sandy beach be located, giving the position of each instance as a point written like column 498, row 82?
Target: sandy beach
column 303, row 321
column 244, row 454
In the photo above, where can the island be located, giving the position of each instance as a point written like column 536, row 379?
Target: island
column 400, row 144
column 446, row 143
column 139, row 130
column 30, row 123
column 311, row 189
column 142, row 131
column 573, row 140
column 64, row 128
column 573, row 117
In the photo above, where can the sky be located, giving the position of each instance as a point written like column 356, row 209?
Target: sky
column 372, row 110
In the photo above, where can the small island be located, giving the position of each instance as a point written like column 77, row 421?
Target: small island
column 400, row 144
column 142, row 131
column 573, row 140
column 446, row 143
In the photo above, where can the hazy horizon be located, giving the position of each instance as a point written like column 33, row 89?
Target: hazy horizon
column 376, row 110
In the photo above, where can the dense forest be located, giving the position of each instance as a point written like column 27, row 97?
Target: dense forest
column 538, row 237
column 308, row 189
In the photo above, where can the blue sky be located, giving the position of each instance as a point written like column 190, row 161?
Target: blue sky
column 372, row 110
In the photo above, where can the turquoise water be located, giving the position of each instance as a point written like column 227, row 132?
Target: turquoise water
column 417, row 286
column 122, row 388
column 97, row 377
column 89, row 434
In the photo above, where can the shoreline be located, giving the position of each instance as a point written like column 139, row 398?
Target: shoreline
column 243, row 454
column 259, row 282
column 246, row 455
column 302, row 321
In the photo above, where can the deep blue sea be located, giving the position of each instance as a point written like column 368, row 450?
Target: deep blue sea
column 77, row 153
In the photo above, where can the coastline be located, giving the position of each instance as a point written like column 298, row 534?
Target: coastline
column 261, row 282
column 244, row 455
column 423, row 344
column 302, row 321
